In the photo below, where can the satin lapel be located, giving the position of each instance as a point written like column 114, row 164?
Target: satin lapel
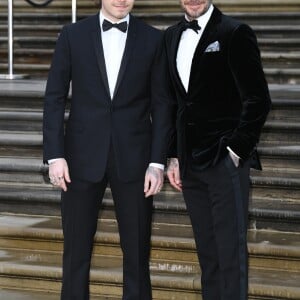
column 130, row 42
column 209, row 31
column 97, row 41
column 175, row 45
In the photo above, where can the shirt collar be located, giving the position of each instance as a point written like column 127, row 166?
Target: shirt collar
column 203, row 19
column 102, row 17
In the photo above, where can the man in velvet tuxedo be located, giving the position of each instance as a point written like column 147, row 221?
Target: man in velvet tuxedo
column 223, row 100
column 116, row 133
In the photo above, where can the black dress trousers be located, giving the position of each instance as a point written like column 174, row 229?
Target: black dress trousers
column 217, row 201
column 80, row 208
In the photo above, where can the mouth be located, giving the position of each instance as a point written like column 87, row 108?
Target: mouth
column 121, row 6
column 193, row 3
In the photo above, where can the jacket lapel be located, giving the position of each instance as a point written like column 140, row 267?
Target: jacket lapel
column 97, row 41
column 209, row 31
column 130, row 41
column 173, row 56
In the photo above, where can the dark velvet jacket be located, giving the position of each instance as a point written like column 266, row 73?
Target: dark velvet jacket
column 227, row 100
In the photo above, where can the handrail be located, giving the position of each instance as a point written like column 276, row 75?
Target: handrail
column 11, row 74
column 47, row 2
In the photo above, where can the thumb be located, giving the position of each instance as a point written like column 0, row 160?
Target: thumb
column 146, row 183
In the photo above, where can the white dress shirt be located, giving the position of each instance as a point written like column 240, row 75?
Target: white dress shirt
column 185, row 53
column 113, row 43
column 187, row 46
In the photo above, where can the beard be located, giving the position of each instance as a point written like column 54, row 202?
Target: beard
column 203, row 6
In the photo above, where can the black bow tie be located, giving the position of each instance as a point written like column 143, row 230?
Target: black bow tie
column 191, row 25
column 106, row 25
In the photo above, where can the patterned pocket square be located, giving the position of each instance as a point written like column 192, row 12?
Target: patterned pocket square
column 213, row 47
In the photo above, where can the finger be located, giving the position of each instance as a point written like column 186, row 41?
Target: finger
column 177, row 187
column 146, row 184
column 153, row 186
column 63, row 186
column 160, row 182
column 171, row 177
column 172, row 180
column 67, row 175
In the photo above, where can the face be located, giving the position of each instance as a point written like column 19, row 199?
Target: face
column 116, row 10
column 195, row 8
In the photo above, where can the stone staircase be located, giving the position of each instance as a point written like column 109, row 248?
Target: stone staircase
column 30, row 230
column 277, row 24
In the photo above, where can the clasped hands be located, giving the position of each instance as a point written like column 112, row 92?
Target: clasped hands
column 59, row 177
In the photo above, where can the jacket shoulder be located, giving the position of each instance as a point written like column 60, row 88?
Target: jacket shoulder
column 172, row 28
column 146, row 32
column 83, row 24
column 230, row 25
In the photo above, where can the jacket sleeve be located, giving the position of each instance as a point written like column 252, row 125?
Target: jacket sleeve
column 161, row 107
column 245, row 64
column 56, row 94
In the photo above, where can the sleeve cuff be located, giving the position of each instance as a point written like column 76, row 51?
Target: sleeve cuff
column 234, row 156
column 51, row 161
column 159, row 166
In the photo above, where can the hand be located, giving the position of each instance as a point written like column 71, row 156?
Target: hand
column 154, row 179
column 174, row 174
column 59, row 173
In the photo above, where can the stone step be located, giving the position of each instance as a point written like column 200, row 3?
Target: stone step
column 43, row 233
column 166, row 5
column 103, row 260
column 52, row 30
column 284, row 109
column 160, row 18
column 284, row 115
column 29, row 94
column 280, row 285
column 281, row 44
column 26, row 294
column 14, row 133
column 270, row 253
column 269, row 146
column 38, row 71
column 282, row 157
column 274, row 201
column 48, row 42
column 286, row 75
column 270, row 59
column 283, row 131
column 273, row 75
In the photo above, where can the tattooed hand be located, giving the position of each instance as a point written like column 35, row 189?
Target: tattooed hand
column 174, row 174
column 59, row 174
column 154, row 179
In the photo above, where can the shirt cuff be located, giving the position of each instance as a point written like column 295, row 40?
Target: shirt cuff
column 159, row 166
column 51, row 161
column 234, row 156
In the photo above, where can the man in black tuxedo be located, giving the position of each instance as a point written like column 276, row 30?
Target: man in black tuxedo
column 116, row 133
column 223, row 100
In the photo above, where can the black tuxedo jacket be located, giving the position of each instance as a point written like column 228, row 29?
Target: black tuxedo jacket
column 136, row 121
column 227, row 100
